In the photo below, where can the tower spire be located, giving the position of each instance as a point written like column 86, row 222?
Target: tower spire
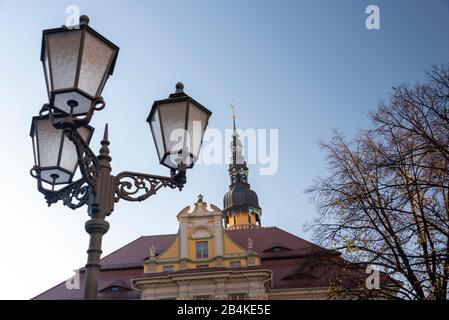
column 241, row 204
column 238, row 163
column 233, row 115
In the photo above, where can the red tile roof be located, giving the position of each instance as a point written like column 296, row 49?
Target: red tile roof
column 264, row 239
column 107, row 278
column 127, row 262
column 136, row 251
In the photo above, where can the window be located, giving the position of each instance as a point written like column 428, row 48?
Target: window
column 235, row 264
column 115, row 289
column 205, row 297
column 277, row 248
column 202, row 266
column 237, row 296
column 168, row 268
column 202, row 249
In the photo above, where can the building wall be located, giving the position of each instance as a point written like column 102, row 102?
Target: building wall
column 299, row 294
column 216, row 285
column 240, row 218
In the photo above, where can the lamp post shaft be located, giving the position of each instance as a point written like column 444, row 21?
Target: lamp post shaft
column 101, row 205
column 96, row 229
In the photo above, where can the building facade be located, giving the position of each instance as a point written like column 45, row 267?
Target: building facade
column 203, row 262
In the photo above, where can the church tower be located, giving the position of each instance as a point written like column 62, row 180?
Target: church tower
column 240, row 204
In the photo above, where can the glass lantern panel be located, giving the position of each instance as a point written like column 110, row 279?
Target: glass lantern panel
column 85, row 133
column 173, row 159
column 69, row 157
column 173, row 120
column 47, row 72
column 55, row 176
column 94, row 64
column 61, row 99
column 196, row 126
column 64, row 51
column 49, row 143
column 34, row 140
column 157, row 134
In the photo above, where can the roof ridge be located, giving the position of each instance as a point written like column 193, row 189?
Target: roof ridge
column 159, row 235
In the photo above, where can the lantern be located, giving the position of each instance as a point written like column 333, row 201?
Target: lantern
column 54, row 154
column 77, row 63
column 178, row 125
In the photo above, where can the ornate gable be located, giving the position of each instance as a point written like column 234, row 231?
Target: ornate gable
column 201, row 243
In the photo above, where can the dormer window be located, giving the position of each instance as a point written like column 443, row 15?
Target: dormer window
column 116, row 286
column 277, row 247
column 114, row 289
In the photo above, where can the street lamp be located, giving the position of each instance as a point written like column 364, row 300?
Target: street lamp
column 77, row 63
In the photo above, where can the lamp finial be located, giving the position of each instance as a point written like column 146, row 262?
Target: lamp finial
column 179, row 87
column 104, row 150
column 84, row 20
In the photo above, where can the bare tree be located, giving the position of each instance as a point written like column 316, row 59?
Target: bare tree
column 385, row 201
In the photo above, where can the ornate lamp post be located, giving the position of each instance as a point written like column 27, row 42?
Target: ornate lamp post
column 77, row 63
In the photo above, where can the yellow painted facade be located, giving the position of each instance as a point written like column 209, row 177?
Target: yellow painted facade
column 201, row 242
column 241, row 219
column 230, row 246
column 172, row 251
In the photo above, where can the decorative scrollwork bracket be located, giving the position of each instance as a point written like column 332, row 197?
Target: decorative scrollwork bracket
column 75, row 195
column 134, row 186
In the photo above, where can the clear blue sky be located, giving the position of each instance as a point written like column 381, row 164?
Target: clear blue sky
column 303, row 67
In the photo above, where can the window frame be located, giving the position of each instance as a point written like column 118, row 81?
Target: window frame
column 203, row 297
column 238, row 295
column 202, row 252
column 172, row 268
column 232, row 264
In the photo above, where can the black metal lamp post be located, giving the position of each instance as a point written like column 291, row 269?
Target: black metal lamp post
column 77, row 63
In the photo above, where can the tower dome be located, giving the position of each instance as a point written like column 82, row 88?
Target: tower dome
column 240, row 204
column 240, row 197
